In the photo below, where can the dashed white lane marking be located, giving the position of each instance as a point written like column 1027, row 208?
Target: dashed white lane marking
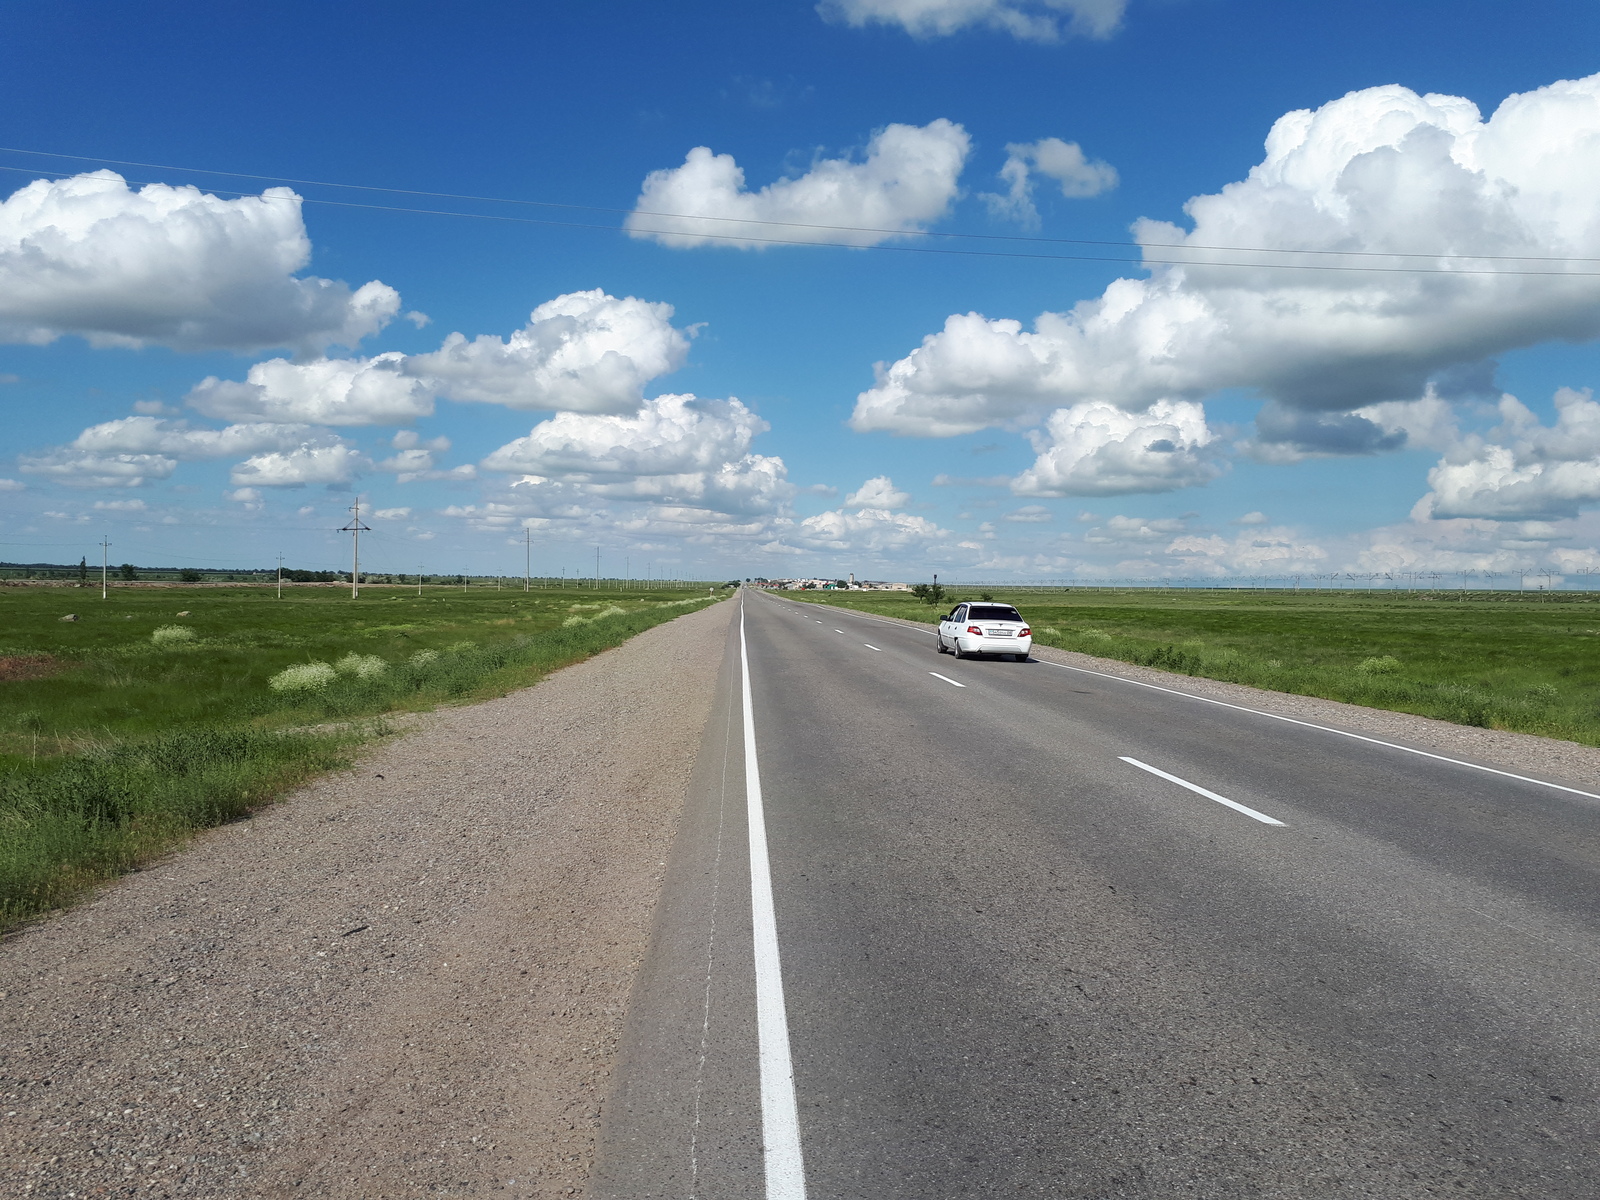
column 947, row 679
column 780, row 1119
column 870, row 646
column 1359, row 737
column 838, row 631
column 1200, row 791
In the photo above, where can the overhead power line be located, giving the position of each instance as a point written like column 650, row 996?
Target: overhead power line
column 1143, row 258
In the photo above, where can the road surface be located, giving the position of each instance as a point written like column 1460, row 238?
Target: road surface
column 1045, row 932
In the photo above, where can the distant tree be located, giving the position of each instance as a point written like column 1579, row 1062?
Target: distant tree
column 986, row 595
column 190, row 575
column 127, row 572
column 83, row 571
column 929, row 593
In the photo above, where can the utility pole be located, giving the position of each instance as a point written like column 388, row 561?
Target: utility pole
column 280, row 574
column 527, row 559
column 354, row 530
column 104, row 546
column 419, row 581
column 597, row 568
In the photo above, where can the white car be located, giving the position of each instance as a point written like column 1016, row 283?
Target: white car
column 983, row 627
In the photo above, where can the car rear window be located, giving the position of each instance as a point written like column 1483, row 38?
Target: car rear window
column 993, row 612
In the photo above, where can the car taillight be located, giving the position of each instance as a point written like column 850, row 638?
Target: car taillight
column 1024, row 632
column 974, row 629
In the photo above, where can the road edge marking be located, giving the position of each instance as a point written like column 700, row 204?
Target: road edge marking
column 1200, row 791
column 780, row 1117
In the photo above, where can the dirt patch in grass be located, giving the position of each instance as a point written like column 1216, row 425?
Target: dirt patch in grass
column 14, row 667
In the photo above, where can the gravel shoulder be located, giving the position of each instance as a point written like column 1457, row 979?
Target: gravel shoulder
column 407, row 979
column 1524, row 753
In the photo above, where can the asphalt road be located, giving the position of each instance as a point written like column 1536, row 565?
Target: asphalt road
column 1016, row 964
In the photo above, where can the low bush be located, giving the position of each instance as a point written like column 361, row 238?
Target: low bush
column 173, row 635
column 362, row 666
column 303, row 677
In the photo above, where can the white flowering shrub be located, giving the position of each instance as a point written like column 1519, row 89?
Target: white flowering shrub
column 423, row 657
column 613, row 611
column 303, row 677
column 362, row 666
column 172, row 635
column 1384, row 665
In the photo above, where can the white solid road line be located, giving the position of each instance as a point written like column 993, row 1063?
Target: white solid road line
column 947, row 679
column 1360, row 737
column 780, row 1118
column 1200, row 791
column 870, row 646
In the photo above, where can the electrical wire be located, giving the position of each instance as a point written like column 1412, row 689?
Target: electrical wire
column 842, row 229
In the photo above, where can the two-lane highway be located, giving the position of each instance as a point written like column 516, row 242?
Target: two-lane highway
column 1044, row 932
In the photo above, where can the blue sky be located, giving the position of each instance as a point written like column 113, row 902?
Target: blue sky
column 190, row 369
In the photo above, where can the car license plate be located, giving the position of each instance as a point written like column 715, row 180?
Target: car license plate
column 999, row 633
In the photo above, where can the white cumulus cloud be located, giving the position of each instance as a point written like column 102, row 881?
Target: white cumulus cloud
column 1403, row 179
column 669, row 435
column 908, row 178
column 581, row 352
column 677, row 449
column 332, row 463
column 1522, row 470
column 325, row 391
column 1277, row 550
column 875, row 530
column 415, row 459
column 170, row 266
column 1028, row 20
column 1077, row 175
column 132, row 451
column 1098, row 449
column 877, row 492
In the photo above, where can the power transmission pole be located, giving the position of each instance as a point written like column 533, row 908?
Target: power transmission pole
column 597, row 568
column 354, row 530
column 280, row 574
column 527, row 559
column 419, row 581
column 104, row 546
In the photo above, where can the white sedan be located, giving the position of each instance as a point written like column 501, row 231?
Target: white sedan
column 984, row 628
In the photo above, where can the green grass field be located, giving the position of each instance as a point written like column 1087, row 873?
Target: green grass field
column 127, row 729
column 1527, row 662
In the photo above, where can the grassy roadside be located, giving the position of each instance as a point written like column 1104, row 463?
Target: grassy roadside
column 1523, row 662
column 120, row 737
